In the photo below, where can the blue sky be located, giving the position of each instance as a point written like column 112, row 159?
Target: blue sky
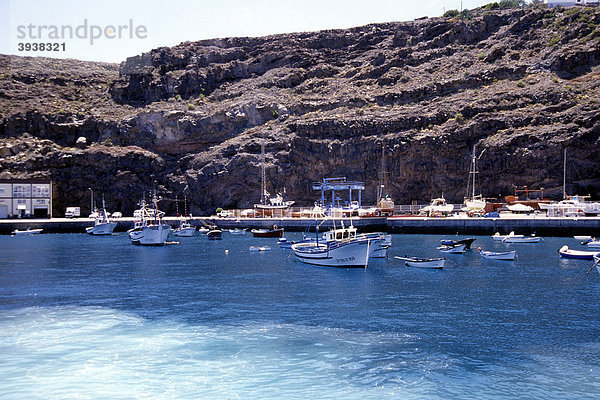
column 167, row 23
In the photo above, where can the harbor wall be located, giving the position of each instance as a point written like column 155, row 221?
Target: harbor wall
column 541, row 226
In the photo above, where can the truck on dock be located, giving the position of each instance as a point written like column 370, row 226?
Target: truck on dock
column 73, row 212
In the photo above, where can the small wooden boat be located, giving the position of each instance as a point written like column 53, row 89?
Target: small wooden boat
column 237, row 231
column 287, row 244
column 214, row 234
column 457, row 249
column 467, row 242
column 430, row 263
column 492, row 255
column 259, row 248
column 577, row 254
column 512, row 238
column 582, row 238
column 27, row 231
column 275, row 232
column 593, row 244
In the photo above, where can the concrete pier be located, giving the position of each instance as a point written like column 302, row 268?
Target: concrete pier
column 540, row 225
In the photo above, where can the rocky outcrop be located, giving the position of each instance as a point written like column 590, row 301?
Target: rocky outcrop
column 520, row 84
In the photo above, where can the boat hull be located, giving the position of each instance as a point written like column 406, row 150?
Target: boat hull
column 351, row 254
column 577, row 254
column 106, row 228
column 184, row 232
column 26, row 232
column 215, row 234
column 505, row 256
column 457, row 249
column 151, row 235
column 267, row 232
column 427, row 263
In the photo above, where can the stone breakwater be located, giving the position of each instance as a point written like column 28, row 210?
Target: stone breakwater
column 541, row 226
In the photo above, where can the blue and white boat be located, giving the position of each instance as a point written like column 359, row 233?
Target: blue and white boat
column 577, row 254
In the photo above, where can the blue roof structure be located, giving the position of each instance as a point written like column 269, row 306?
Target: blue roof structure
column 338, row 184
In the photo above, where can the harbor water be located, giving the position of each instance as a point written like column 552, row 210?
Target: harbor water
column 96, row 317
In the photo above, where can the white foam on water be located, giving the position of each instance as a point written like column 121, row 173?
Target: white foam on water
column 94, row 352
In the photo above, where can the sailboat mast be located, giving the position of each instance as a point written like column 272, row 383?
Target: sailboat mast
column 474, row 172
column 263, row 188
column 565, row 174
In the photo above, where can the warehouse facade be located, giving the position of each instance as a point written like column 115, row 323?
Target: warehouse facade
column 25, row 198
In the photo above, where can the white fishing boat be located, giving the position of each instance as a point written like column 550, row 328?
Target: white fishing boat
column 102, row 224
column 344, row 253
column 26, row 232
column 149, row 229
column 429, row 263
column 512, row 238
column 438, row 206
column 456, row 249
column 492, row 255
column 382, row 242
column 184, row 229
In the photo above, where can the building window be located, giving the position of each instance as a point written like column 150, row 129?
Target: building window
column 21, row 190
column 40, row 191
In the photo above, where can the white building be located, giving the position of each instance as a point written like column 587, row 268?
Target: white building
column 20, row 198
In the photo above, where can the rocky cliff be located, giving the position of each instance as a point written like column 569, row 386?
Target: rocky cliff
column 520, row 84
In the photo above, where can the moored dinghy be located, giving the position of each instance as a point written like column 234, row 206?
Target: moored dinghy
column 577, row 254
column 492, row 255
column 456, row 249
column 512, row 238
column 274, row 232
column 429, row 263
column 25, row 232
column 449, row 242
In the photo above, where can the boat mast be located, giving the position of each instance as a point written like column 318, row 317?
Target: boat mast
column 383, row 174
column 565, row 174
column 91, row 201
column 263, row 189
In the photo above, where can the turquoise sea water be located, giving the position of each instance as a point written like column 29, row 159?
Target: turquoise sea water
column 96, row 317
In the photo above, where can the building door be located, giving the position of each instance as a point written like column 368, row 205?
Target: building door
column 3, row 211
column 40, row 212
